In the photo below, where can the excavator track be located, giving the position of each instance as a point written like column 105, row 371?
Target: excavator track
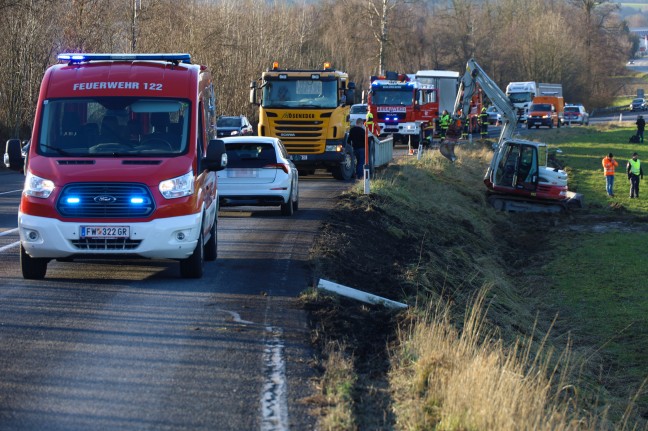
column 511, row 203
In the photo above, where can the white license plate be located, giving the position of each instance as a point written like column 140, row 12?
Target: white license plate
column 105, row 232
column 242, row 173
column 298, row 157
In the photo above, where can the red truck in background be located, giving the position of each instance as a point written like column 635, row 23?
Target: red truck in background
column 121, row 163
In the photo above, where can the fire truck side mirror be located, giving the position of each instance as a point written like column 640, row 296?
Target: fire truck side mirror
column 13, row 158
column 216, row 159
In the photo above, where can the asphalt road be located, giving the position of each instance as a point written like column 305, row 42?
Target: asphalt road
column 130, row 345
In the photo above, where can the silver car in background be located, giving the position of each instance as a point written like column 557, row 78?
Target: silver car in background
column 259, row 173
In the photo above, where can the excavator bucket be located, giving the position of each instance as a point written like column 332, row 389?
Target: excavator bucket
column 447, row 150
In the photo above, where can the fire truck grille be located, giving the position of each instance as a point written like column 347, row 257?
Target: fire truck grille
column 106, row 244
column 105, row 200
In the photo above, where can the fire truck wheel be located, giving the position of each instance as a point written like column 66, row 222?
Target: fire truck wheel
column 32, row 268
column 211, row 246
column 192, row 267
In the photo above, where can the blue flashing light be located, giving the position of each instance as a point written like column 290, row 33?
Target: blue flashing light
column 137, row 201
column 73, row 200
column 80, row 57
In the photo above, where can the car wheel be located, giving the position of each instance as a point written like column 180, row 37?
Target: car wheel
column 211, row 247
column 288, row 208
column 193, row 266
column 32, row 268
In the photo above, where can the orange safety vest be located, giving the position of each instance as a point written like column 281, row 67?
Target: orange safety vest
column 609, row 165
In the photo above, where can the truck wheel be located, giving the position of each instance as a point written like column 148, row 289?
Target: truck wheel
column 211, row 247
column 193, row 266
column 32, row 268
column 345, row 170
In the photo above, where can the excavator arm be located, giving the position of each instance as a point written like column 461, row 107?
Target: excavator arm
column 473, row 78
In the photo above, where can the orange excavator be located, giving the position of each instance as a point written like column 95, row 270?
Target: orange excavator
column 518, row 178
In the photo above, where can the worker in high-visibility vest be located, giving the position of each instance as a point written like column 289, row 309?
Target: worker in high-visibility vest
column 608, row 169
column 444, row 122
column 371, row 126
column 483, row 123
column 635, row 173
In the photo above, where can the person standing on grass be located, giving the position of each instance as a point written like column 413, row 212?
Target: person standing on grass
column 635, row 173
column 357, row 140
column 608, row 169
column 641, row 125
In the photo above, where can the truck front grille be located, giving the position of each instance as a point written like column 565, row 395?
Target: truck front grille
column 105, row 200
column 301, row 137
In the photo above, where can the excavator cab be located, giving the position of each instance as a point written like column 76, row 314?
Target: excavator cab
column 516, row 168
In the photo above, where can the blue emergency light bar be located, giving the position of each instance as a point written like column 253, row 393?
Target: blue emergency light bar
column 82, row 58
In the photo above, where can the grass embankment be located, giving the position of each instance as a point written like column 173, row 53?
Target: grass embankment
column 516, row 321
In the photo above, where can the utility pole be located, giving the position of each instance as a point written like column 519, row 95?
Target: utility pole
column 137, row 5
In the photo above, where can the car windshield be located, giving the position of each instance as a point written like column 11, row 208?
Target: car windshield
column 540, row 107
column 300, row 93
column 250, row 155
column 114, row 126
column 358, row 109
column 229, row 122
column 637, row 101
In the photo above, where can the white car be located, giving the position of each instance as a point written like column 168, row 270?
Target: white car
column 259, row 173
column 357, row 111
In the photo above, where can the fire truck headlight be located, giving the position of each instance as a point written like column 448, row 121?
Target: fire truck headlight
column 37, row 186
column 177, row 187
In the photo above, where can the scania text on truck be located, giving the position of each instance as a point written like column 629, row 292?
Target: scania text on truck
column 521, row 95
column 121, row 163
column 309, row 111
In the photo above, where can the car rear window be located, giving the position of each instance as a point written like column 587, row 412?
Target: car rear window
column 229, row 122
column 250, row 155
column 572, row 109
column 358, row 110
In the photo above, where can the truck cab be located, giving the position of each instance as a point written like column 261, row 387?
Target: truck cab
column 121, row 163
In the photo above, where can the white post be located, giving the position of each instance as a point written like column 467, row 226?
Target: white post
column 349, row 292
column 366, row 179
column 620, row 117
column 420, row 151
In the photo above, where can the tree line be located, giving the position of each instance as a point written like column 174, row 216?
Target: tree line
column 579, row 43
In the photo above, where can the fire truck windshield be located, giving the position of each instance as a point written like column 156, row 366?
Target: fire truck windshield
column 404, row 97
column 113, row 126
column 300, row 93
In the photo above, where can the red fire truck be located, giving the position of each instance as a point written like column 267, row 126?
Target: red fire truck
column 121, row 163
column 403, row 103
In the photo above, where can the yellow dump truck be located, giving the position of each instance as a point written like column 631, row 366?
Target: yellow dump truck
column 309, row 111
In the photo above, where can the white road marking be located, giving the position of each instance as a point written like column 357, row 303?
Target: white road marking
column 9, row 232
column 10, row 191
column 274, row 403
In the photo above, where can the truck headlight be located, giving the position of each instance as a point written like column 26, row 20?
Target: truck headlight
column 336, row 148
column 37, row 186
column 178, row 187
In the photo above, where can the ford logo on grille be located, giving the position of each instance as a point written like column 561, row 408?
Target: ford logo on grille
column 105, row 199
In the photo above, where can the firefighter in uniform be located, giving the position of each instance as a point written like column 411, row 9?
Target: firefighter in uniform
column 428, row 133
column 444, row 122
column 483, row 123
